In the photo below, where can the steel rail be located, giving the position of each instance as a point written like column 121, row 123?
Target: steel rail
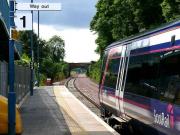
column 89, row 99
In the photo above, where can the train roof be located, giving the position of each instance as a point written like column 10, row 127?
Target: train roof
column 145, row 34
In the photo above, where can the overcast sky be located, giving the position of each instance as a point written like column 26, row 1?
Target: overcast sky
column 72, row 24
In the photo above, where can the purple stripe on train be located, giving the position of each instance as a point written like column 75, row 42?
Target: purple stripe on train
column 165, row 114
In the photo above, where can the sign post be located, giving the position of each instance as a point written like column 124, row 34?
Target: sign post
column 38, row 74
column 11, row 93
column 32, row 58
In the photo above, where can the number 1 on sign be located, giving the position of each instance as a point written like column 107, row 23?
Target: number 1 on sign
column 24, row 21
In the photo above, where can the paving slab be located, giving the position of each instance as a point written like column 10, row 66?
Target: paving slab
column 41, row 115
column 56, row 111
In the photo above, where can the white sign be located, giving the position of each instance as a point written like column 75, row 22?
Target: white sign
column 23, row 21
column 39, row 6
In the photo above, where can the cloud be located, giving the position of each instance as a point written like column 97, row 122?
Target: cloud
column 75, row 13
column 79, row 43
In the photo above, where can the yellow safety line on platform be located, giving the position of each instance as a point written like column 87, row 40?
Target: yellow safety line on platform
column 79, row 118
column 69, row 116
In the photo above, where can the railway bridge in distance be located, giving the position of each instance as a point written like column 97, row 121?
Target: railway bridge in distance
column 81, row 65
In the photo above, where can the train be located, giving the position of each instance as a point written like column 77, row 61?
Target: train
column 140, row 82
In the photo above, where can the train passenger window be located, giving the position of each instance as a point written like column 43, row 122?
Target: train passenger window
column 142, row 76
column 112, row 74
column 155, row 75
column 170, row 77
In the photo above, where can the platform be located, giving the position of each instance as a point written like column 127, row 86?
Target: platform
column 83, row 121
column 55, row 111
column 41, row 114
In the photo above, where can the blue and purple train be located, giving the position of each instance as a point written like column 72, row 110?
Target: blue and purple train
column 140, row 81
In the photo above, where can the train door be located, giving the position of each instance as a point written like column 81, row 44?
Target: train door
column 110, row 79
column 122, row 78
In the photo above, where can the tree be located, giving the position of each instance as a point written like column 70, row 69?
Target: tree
column 25, row 38
column 171, row 9
column 24, row 61
column 147, row 13
column 56, row 48
column 51, row 55
column 123, row 20
column 102, row 24
column 117, row 19
column 53, row 49
column 56, row 71
column 113, row 20
column 94, row 71
column 44, row 51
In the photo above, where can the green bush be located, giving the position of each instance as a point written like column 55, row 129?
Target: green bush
column 94, row 71
column 59, row 76
column 24, row 61
column 57, row 71
column 42, row 80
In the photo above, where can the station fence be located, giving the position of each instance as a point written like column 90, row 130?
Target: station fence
column 3, row 79
column 21, row 80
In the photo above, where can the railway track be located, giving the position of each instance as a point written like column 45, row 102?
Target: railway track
column 93, row 106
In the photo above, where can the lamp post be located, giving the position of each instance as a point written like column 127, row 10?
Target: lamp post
column 11, row 93
column 32, row 58
column 38, row 75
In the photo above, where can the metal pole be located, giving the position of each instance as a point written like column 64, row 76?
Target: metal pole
column 32, row 59
column 11, row 93
column 38, row 75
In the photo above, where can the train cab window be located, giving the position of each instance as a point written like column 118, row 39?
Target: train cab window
column 103, row 65
column 104, row 61
column 112, row 74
